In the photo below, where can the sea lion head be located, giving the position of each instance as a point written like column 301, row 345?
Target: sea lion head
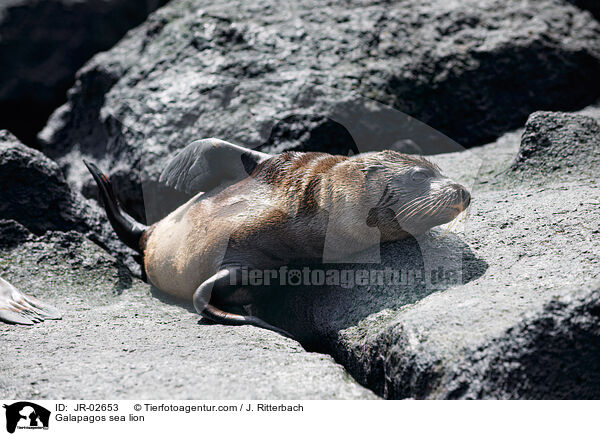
column 412, row 191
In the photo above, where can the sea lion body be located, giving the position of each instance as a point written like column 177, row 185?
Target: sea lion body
column 279, row 214
column 274, row 210
column 266, row 220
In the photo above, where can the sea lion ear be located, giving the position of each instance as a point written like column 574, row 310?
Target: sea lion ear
column 210, row 163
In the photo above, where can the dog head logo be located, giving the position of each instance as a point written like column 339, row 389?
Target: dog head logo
column 26, row 415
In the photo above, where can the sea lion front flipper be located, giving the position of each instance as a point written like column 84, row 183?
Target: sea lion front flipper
column 203, row 306
column 209, row 163
column 19, row 308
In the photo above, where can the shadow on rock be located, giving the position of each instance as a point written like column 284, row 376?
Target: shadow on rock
column 406, row 272
column 164, row 298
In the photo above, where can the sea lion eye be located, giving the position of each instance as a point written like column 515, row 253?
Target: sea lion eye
column 420, row 175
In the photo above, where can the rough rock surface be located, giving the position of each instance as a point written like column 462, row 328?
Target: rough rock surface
column 522, row 321
column 12, row 233
column 558, row 142
column 279, row 74
column 117, row 340
column 553, row 353
column 42, row 45
column 34, row 193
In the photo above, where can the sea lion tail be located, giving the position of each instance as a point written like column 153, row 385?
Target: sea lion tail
column 127, row 229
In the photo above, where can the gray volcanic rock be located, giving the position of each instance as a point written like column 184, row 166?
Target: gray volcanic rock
column 554, row 142
column 35, row 194
column 552, row 354
column 522, row 319
column 283, row 75
column 116, row 340
column 42, row 45
column 12, row 233
column 33, row 190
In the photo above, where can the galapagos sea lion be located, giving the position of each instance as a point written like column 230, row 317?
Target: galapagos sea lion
column 273, row 210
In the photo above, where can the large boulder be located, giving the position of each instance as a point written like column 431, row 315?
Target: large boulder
column 125, row 343
column 35, row 194
column 12, row 233
column 44, row 42
column 283, row 75
column 553, row 143
column 552, row 353
column 33, row 190
column 520, row 316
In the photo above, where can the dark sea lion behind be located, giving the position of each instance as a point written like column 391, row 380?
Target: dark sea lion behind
column 19, row 308
column 275, row 210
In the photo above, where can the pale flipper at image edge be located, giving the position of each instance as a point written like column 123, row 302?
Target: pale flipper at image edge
column 19, row 308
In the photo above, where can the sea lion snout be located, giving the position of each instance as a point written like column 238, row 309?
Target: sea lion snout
column 462, row 197
column 465, row 196
column 455, row 199
column 437, row 201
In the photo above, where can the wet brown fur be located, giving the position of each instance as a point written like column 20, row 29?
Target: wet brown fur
column 278, row 214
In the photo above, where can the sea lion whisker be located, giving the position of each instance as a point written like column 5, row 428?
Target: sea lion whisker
column 436, row 206
column 433, row 207
column 428, row 204
column 465, row 213
column 451, row 225
column 411, row 205
column 422, row 209
column 416, row 208
column 448, row 228
column 405, row 207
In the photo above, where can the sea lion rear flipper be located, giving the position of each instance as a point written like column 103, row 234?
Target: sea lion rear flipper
column 19, row 308
column 202, row 298
column 209, row 163
column 220, row 316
